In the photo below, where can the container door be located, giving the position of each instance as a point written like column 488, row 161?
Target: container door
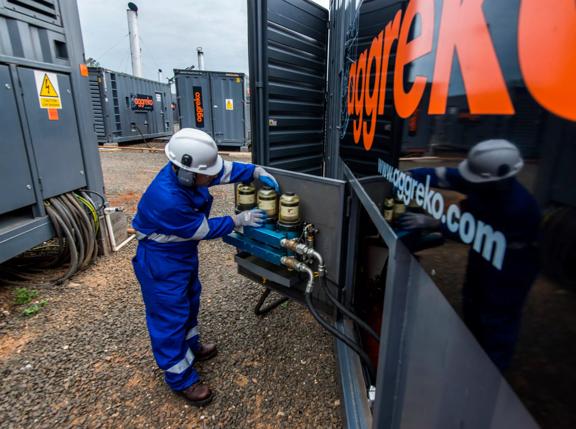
column 160, row 112
column 323, row 204
column 55, row 132
column 19, row 191
column 194, row 102
column 288, row 50
column 228, row 109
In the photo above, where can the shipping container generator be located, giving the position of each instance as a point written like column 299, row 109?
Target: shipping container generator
column 49, row 156
column 127, row 108
column 439, row 136
column 214, row 102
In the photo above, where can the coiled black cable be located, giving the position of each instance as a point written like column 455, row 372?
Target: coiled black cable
column 75, row 220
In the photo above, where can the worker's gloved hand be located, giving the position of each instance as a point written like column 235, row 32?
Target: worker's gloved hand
column 254, row 217
column 266, row 178
column 417, row 221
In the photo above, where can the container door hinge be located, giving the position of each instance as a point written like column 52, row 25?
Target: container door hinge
column 40, row 185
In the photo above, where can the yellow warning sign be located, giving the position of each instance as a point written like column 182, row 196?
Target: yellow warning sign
column 48, row 90
column 229, row 104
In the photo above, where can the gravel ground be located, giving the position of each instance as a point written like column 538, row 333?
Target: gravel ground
column 85, row 360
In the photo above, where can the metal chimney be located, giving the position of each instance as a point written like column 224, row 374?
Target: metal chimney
column 135, row 50
column 159, row 75
column 200, row 58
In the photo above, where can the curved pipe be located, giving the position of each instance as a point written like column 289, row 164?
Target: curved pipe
column 304, row 250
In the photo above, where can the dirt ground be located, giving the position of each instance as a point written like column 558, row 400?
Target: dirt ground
column 85, row 361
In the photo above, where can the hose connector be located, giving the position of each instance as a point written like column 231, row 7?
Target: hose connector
column 301, row 267
column 302, row 249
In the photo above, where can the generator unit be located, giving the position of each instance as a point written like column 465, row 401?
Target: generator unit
column 407, row 108
column 47, row 149
column 127, row 108
column 214, row 102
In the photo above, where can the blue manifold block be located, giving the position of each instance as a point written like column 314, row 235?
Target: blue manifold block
column 262, row 242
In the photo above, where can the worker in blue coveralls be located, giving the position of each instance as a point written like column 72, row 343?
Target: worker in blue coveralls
column 173, row 216
column 492, row 298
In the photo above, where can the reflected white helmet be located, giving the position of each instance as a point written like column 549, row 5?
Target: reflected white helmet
column 491, row 160
column 197, row 149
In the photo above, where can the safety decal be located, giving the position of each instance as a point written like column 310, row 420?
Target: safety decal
column 48, row 90
column 229, row 104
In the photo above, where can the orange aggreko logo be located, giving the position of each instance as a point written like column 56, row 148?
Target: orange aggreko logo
column 546, row 46
column 199, row 110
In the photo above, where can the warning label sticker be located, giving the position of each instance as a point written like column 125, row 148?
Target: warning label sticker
column 229, row 104
column 48, row 90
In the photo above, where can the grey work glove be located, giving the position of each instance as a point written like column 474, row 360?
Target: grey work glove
column 417, row 221
column 254, row 217
column 266, row 178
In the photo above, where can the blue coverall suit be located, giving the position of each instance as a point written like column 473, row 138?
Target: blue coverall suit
column 492, row 299
column 170, row 221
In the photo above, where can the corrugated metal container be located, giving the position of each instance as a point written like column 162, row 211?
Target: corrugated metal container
column 214, row 102
column 46, row 148
column 128, row 108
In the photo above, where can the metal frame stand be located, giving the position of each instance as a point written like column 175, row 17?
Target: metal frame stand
column 260, row 310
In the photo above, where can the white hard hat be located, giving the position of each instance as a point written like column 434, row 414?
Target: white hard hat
column 491, row 160
column 197, row 145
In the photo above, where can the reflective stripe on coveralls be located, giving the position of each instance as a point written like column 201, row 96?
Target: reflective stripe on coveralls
column 200, row 233
column 193, row 332
column 183, row 365
column 170, row 221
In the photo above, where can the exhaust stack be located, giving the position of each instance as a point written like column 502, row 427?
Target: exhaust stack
column 200, row 58
column 134, row 33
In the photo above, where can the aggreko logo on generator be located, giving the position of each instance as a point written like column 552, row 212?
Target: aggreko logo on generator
column 546, row 46
column 199, row 110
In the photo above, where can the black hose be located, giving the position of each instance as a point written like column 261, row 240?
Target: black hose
column 75, row 243
column 349, row 313
column 86, row 225
column 73, row 267
column 346, row 340
column 68, row 217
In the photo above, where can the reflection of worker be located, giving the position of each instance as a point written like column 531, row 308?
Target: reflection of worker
column 173, row 215
column 492, row 298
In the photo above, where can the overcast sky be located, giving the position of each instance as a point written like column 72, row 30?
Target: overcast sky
column 170, row 31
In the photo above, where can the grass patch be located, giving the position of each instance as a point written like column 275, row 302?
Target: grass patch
column 24, row 296
column 35, row 308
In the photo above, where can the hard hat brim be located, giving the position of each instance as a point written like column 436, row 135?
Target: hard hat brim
column 208, row 171
column 213, row 169
column 470, row 176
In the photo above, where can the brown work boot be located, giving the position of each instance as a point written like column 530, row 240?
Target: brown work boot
column 198, row 394
column 207, row 351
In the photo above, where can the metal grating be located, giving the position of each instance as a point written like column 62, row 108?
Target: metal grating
column 97, row 110
column 44, row 10
column 288, row 50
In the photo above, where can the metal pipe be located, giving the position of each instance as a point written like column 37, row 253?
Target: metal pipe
column 134, row 35
column 290, row 262
column 115, row 247
column 200, row 58
column 304, row 250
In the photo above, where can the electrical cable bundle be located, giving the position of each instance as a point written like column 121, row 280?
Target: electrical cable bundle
column 76, row 221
